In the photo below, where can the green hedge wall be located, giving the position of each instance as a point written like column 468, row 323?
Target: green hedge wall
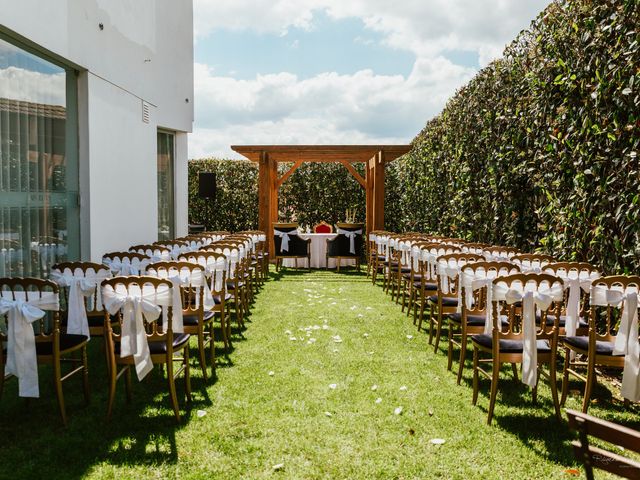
column 314, row 192
column 540, row 149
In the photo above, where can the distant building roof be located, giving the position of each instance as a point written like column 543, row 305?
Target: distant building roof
column 30, row 108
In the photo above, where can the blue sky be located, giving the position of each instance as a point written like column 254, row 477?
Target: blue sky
column 329, row 71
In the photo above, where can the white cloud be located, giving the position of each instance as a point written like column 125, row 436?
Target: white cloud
column 359, row 108
column 26, row 85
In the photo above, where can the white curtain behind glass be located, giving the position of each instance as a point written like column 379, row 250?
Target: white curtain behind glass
column 33, row 190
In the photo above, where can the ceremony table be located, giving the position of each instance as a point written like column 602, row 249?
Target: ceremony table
column 318, row 250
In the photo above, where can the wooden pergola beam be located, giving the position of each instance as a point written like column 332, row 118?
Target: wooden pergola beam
column 268, row 156
column 284, row 177
column 355, row 173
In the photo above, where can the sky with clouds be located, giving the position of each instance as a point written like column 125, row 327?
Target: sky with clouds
column 336, row 71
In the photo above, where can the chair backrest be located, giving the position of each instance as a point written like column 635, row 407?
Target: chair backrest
column 322, row 227
column 126, row 263
column 156, row 253
column 93, row 273
column 476, row 277
column 590, row 456
column 532, row 262
column 448, row 270
column 193, row 282
column 43, row 294
column 478, row 248
column 497, row 253
column 232, row 254
column 607, row 306
column 215, row 265
column 570, row 272
column 540, row 283
column 158, row 291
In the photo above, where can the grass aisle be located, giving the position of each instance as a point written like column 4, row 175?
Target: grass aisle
column 324, row 363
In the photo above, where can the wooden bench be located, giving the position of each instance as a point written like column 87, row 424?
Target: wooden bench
column 591, row 456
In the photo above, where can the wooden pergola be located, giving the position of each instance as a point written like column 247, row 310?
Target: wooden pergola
column 269, row 182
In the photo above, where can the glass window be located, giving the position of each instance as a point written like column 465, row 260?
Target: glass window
column 166, row 222
column 39, row 217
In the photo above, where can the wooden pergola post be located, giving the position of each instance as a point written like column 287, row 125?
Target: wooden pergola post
column 268, row 156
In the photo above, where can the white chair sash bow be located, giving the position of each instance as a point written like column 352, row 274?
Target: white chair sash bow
column 351, row 235
column 284, row 246
column 80, row 286
column 626, row 342
column 531, row 297
column 124, row 266
column 22, row 360
column 134, row 304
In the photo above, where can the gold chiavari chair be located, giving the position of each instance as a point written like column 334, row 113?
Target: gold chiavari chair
column 151, row 296
column 612, row 298
column 428, row 258
column 508, row 346
column 157, row 253
column 445, row 301
column 52, row 347
column 532, row 262
column 471, row 317
column 215, row 265
column 196, row 319
column 497, row 253
column 235, row 285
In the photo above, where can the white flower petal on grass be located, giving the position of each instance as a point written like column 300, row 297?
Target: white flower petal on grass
column 403, row 388
column 398, row 411
column 438, row 441
column 293, row 339
column 360, row 315
column 369, row 308
column 333, row 303
column 374, row 388
column 316, row 327
column 278, row 466
column 365, row 335
column 409, row 337
column 201, row 413
column 328, row 414
column 312, row 340
column 333, row 386
column 353, row 307
column 378, row 400
column 325, row 327
column 370, row 353
column 287, row 332
column 272, row 373
column 337, row 339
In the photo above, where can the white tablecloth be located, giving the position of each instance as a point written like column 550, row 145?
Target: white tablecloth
column 318, row 249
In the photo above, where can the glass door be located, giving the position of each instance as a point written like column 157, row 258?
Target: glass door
column 166, row 220
column 39, row 208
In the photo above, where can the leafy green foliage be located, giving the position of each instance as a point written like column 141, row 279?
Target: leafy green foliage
column 313, row 193
column 540, row 149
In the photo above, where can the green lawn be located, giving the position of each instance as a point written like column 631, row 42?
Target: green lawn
column 293, row 417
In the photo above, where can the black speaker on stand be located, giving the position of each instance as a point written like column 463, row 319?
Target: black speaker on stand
column 207, row 191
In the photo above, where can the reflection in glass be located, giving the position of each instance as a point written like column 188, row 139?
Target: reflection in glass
column 165, row 186
column 38, row 186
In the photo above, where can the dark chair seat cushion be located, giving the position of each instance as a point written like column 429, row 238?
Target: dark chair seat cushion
column 192, row 320
column 218, row 298
column 474, row 320
column 509, row 346
column 446, row 301
column 563, row 320
column 179, row 340
column 68, row 341
column 582, row 343
column 232, row 285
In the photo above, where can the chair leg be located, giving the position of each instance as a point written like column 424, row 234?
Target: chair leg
column 201, row 352
column 57, row 378
column 187, row 375
column 474, row 398
column 554, row 387
column 85, row 375
column 591, row 380
column 449, row 346
column 438, row 331
column 514, row 369
column 172, row 385
column 463, row 354
column 494, row 389
column 565, row 376
column 212, row 348
column 112, row 388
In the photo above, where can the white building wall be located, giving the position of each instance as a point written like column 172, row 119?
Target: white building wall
column 142, row 52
